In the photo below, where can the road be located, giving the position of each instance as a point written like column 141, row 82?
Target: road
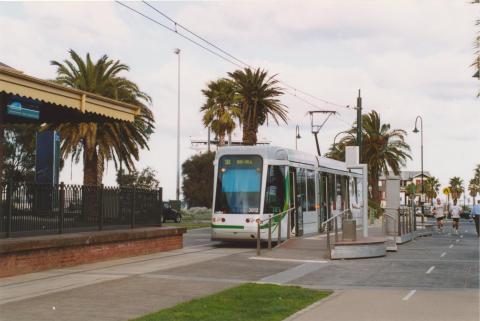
column 432, row 278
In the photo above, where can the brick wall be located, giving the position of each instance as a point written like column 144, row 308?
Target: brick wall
column 27, row 261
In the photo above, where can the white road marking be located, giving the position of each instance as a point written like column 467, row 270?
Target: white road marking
column 443, row 254
column 409, row 295
column 461, row 236
column 457, row 240
column 451, row 245
column 430, row 269
column 286, row 260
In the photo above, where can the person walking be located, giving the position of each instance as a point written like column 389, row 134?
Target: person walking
column 476, row 216
column 439, row 211
column 455, row 213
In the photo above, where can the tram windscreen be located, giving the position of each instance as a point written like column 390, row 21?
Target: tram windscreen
column 238, row 184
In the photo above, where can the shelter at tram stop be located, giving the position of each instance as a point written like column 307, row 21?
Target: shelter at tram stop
column 27, row 99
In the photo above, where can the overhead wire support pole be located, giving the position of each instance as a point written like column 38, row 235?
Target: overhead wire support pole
column 316, row 128
column 359, row 126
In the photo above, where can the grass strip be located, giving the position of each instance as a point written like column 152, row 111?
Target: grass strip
column 260, row 302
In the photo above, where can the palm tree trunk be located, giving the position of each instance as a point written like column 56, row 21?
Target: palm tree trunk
column 92, row 169
column 249, row 133
column 221, row 139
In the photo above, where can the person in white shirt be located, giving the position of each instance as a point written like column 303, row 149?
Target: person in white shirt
column 455, row 212
column 439, row 211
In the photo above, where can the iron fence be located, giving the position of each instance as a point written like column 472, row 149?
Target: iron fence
column 30, row 209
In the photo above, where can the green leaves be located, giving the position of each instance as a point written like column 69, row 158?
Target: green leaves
column 110, row 140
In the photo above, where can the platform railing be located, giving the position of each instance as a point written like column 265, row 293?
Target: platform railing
column 279, row 228
column 327, row 225
column 385, row 218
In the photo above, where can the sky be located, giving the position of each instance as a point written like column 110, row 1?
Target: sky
column 408, row 58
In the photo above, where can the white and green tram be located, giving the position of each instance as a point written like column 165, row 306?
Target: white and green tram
column 257, row 182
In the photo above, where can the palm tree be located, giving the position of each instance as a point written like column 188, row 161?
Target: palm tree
column 474, row 188
column 383, row 149
column 456, row 187
column 221, row 108
column 119, row 141
column 258, row 101
column 432, row 187
column 411, row 191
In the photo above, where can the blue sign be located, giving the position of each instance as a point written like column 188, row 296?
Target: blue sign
column 15, row 108
column 47, row 160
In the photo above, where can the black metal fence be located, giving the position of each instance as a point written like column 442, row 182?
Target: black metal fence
column 30, row 209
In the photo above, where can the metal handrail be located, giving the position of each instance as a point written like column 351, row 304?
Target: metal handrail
column 329, row 244
column 269, row 219
column 395, row 224
column 335, row 216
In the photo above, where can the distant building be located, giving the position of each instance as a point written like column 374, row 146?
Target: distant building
column 406, row 178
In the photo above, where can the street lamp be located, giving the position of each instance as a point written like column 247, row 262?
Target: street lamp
column 415, row 130
column 177, row 52
column 343, row 132
column 297, row 135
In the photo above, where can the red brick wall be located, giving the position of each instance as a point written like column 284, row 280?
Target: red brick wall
column 43, row 259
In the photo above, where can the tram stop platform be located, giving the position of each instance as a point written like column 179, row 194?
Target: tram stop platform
column 314, row 247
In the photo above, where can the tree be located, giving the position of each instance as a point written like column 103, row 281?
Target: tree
column 221, row 108
column 144, row 179
column 473, row 188
column 432, row 187
column 456, row 187
column 259, row 101
column 97, row 143
column 197, row 183
column 19, row 146
column 411, row 191
column 383, row 149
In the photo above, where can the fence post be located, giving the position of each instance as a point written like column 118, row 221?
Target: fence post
column 9, row 206
column 336, row 229
column 61, row 207
column 100, row 206
column 132, row 217
column 160, row 197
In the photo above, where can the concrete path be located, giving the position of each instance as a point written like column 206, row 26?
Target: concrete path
column 395, row 305
column 439, row 269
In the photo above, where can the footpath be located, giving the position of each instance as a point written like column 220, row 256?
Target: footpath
column 432, row 278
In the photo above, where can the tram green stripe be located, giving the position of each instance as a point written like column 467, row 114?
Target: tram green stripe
column 240, row 227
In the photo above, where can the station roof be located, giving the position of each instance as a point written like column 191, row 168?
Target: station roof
column 60, row 103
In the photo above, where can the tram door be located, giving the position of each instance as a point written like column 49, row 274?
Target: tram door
column 296, row 217
column 323, row 199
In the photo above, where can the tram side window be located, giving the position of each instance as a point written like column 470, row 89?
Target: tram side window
column 275, row 189
column 311, row 190
column 301, row 187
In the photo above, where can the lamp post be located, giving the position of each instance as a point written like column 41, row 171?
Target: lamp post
column 297, row 135
column 177, row 52
column 415, row 130
column 344, row 132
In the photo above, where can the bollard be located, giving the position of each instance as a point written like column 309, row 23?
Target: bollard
column 288, row 224
column 279, row 241
column 258, row 237
column 336, row 229
column 329, row 251
column 270, row 234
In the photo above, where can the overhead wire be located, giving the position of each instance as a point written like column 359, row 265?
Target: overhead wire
column 239, row 63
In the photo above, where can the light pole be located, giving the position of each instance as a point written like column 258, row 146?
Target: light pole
column 343, row 132
column 177, row 52
column 415, row 130
column 297, row 135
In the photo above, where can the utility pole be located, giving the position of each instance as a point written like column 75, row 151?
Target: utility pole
column 359, row 125
column 177, row 192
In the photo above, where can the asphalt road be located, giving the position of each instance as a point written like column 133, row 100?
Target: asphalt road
column 437, row 275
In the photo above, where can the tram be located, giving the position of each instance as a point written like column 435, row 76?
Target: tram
column 257, row 182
